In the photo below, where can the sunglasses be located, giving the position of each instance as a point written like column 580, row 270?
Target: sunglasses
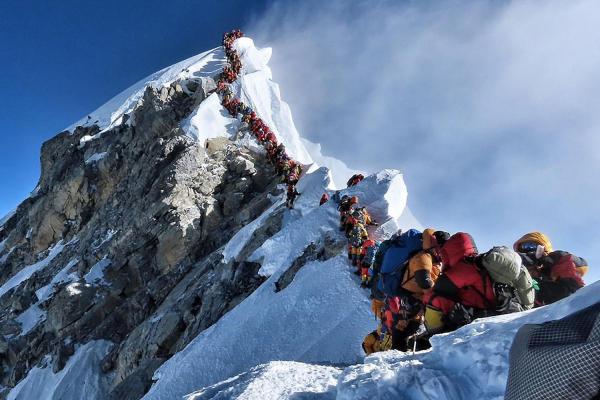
column 527, row 247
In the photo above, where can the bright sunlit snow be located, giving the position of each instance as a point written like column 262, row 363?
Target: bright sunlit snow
column 110, row 114
column 298, row 342
column 96, row 273
column 210, row 120
column 304, row 321
column 26, row 272
column 274, row 381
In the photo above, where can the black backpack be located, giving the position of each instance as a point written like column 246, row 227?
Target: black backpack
column 507, row 300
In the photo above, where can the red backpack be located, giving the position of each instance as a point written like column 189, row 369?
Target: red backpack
column 562, row 265
column 460, row 246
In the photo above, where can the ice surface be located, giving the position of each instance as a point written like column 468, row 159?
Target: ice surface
column 263, row 96
column 81, row 378
column 471, row 363
column 26, row 272
column 253, row 59
column 321, row 317
column 96, row 157
column 240, row 239
column 110, row 114
column 62, row 276
column 210, row 120
column 96, row 274
column 30, row 318
column 275, row 381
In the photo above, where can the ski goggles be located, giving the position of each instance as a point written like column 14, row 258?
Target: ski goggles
column 527, row 247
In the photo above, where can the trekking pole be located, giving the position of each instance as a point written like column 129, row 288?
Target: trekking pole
column 414, row 349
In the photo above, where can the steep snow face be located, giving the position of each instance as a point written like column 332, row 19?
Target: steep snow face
column 383, row 194
column 321, row 317
column 210, row 120
column 111, row 114
column 254, row 87
column 26, row 272
column 471, row 363
column 273, row 381
column 81, row 378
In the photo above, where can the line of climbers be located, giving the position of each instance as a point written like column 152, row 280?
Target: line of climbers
column 289, row 169
column 430, row 282
column 354, row 221
column 422, row 283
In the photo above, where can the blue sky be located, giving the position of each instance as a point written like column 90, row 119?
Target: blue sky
column 489, row 108
column 61, row 60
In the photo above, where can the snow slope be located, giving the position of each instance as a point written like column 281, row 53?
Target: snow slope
column 210, row 120
column 292, row 343
column 81, row 378
column 110, row 114
column 26, row 272
column 471, row 363
column 272, row 382
column 320, row 317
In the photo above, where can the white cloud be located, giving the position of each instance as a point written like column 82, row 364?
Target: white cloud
column 490, row 108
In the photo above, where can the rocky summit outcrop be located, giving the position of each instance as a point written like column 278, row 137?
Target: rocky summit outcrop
column 122, row 238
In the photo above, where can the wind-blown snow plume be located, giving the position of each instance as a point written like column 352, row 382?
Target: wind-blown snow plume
column 488, row 107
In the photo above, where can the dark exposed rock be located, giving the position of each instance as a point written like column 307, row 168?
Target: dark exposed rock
column 330, row 247
column 138, row 383
column 62, row 353
column 157, row 207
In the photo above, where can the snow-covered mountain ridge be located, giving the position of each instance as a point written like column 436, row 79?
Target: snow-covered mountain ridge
column 156, row 260
column 123, row 252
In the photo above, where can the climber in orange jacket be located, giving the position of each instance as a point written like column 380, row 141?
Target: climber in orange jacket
column 356, row 238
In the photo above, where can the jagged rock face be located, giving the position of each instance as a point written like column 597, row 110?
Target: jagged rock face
column 147, row 207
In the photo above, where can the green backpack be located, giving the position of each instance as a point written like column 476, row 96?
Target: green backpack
column 504, row 266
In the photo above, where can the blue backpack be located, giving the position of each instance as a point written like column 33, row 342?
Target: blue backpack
column 396, row 259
